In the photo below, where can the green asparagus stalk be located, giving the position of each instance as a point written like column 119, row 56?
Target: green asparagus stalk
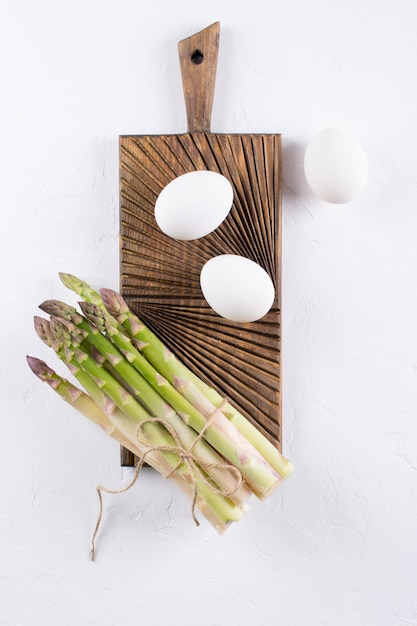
column 69, row 345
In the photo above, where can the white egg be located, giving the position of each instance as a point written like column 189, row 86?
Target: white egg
column 335, row 166
column 193, row 205
column 237, row 288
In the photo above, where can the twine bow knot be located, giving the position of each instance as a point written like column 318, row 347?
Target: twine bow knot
column 197, row 467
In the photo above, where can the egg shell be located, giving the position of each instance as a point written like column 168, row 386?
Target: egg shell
column 237, row 288
column 335, row 166
column 193, row 204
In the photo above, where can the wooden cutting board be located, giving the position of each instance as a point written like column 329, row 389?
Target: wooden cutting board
column 160, row 276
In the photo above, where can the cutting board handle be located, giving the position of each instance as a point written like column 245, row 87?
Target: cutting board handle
column 198, row 60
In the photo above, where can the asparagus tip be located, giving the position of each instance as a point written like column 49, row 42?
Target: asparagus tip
column 58, row 308
column 67, row 279
column 44, row 305
column 42, row 371
column 63, row 328
column 42, row 328
column 113, row 302
column 37, row 366
column 91, row 310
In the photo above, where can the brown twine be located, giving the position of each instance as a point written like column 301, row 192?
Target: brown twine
column 194, row 465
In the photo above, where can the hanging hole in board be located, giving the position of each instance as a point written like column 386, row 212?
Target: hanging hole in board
column 197, row 57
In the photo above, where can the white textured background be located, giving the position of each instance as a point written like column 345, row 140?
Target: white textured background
column 337, row 544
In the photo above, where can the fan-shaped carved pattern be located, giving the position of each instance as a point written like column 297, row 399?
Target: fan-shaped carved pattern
column 160, row 276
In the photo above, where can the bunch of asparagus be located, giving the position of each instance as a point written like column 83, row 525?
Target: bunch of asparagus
column 134, row 388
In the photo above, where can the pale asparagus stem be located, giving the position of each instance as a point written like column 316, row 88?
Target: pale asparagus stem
column 243, row 425
column 261, row 478
column 187, row 411
column 221, row 506
column 180, row 377
column 151, row 394
column 83, row 403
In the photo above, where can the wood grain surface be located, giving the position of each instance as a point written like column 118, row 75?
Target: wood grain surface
column 160, row 276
